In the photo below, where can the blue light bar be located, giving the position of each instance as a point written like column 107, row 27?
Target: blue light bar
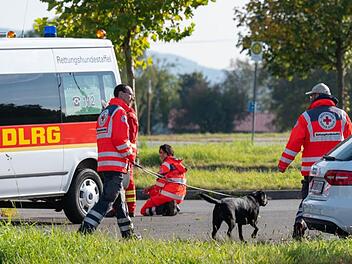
column 49, row 31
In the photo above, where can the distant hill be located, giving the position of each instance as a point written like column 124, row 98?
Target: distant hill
column 181, row 65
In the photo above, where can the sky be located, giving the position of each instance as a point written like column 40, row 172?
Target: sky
column 212, row 44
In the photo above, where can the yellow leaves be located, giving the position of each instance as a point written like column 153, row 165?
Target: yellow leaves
column 177, row 18
column 246, row 43
column 154, row 37
column 8, row 212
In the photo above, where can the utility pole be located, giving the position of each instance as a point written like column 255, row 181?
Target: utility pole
column 256, row 55
column 149, row 95
column 254, row 100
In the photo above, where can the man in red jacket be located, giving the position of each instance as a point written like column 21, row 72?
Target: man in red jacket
column 130, row 191
column 114, row 155
column 320, row 128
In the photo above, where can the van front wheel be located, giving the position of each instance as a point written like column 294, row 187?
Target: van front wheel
column 83, row 194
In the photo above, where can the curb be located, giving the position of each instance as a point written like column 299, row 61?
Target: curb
column 272, row 194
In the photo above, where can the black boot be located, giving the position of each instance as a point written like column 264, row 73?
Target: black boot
column 299, row 229
column 178, row 208
column 86, row 229
column 131, row 235
column 170, row 208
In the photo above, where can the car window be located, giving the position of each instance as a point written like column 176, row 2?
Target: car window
column 343, row 151
column 29, row 99
column 85, row 94
column 109, row 85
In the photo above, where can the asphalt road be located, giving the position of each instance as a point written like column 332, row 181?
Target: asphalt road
column 193, row 222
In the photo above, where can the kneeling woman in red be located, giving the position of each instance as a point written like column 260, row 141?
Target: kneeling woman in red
column 169, row 190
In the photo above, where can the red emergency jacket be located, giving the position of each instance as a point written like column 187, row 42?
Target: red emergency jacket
column 114, row 147
column 317, row 130
column 173, row 183
column 133, row 129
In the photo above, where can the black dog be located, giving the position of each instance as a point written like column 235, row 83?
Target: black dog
column 243, row 211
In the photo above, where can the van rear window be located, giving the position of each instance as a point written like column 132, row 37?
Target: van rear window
column 29, row 99
column 43, row 98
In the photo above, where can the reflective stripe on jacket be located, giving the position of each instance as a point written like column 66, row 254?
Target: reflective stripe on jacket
column 175, row 178
column 114, row 147
column 317, row 130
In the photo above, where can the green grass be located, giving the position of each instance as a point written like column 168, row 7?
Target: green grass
column 236, row 155
column 228, row 179
column 226, row 166
column 28, row 244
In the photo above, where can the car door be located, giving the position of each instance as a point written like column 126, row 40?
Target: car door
column 31, row 117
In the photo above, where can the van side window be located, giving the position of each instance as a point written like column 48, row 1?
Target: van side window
column 83, row 95
column 29, row 99
column 109, row 86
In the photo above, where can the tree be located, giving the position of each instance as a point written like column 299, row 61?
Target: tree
column 287, row 93
column 208, row 108
column 195, row 103
column 129, row 23
column 302, row 36
column 164, row 97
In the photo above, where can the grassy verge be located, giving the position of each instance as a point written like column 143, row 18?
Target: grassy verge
column 227, row 179
column 33, row 245
column 236, row 155
column 226, row 166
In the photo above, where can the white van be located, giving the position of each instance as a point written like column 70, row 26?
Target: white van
column 51, row 93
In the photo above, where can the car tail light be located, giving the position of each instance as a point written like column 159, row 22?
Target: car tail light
column 338, row 177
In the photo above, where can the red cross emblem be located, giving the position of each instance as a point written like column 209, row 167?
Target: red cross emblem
column 327, row 120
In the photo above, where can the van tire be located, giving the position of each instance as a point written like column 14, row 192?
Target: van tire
column 84, row 193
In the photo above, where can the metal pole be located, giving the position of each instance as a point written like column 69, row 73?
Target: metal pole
column 254, row 100
column 135, row 98
column 149, row 93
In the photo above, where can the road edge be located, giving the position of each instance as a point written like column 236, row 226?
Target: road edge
column 272, row 194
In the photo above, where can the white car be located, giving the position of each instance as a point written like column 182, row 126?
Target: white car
column 328, row 206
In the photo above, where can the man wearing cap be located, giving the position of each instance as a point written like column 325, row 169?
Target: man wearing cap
column 320, row 128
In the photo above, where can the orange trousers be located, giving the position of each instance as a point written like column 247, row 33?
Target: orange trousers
column 130, row 193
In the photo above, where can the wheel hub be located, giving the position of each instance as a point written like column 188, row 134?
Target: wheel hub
column 89, row 194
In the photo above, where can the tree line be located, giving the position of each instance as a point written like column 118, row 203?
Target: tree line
column 305, row 42
column 190, row 103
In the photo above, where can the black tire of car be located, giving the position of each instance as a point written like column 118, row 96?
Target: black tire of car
column 72, row 208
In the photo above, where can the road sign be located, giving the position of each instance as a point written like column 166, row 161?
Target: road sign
column 251, row 106
column 257, row 51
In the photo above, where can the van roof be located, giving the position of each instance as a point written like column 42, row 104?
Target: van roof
column 38, row 43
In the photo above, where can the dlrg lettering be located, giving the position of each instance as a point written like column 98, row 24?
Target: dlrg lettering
column 29, row 136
